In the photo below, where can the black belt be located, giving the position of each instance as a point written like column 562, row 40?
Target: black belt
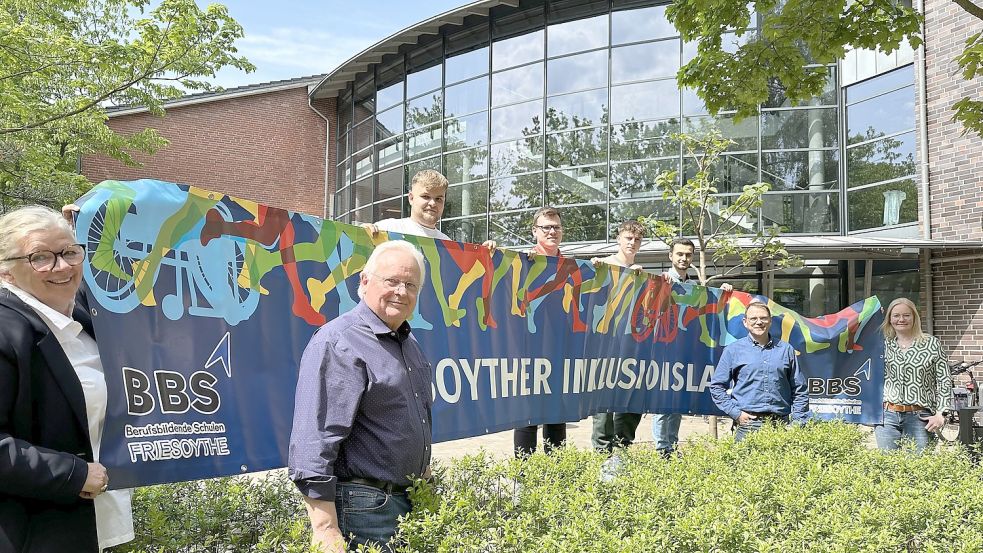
column 382, row 485
column 770, row 416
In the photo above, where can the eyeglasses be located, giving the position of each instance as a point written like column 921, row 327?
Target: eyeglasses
column 45, row 260
column 395, row 283
column 549, row 228
column 755, row 320
column 903, row 316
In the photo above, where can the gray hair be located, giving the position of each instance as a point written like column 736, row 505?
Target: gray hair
column 372, row 265
column 17, row 225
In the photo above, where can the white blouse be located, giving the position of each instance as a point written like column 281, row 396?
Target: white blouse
column 114, row 514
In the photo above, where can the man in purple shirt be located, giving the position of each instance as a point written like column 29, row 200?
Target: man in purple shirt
column 763, row 376
column 362, row 426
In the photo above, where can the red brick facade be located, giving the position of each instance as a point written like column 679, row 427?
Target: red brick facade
column 958, row 298
column 265, row 147
column 956, row 183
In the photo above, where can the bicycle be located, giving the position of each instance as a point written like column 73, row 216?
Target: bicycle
column 965, row 397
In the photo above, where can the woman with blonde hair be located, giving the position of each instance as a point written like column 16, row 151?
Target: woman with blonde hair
column 917, row 388
column 54, row 492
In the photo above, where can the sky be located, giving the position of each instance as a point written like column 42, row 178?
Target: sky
column 294, row 38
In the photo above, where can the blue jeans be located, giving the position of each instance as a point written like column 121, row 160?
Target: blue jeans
column 742, row 430
column 903, row 425
column 368, row 515
column 665, row 431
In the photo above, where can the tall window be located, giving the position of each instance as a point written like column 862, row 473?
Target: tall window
column 880, row 152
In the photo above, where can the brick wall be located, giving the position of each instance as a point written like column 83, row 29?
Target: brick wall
column 955, row 161
column 958, row 297
column 955, row 183
column 267, row 147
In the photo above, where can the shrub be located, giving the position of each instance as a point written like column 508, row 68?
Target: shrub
column 222, row 515
column 817, row 488
column 813, row 489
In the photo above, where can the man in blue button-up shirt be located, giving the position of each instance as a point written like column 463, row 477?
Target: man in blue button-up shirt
column 763, row 376
column 362, row 426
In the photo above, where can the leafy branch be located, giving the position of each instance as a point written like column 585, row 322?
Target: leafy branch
column 695, row 197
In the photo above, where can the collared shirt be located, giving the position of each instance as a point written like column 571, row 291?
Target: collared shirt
column 765, row 379
column 362, row 407
column 114, row 515
column 918, row 375
column 675, row 276
column 407, row 225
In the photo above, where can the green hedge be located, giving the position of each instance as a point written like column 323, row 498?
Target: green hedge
column 815, row 488
column 222, row 515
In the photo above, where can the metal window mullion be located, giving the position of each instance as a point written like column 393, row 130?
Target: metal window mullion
column 488, row 130
column 761, row 208
column 404, row 155
column 610, row 130
column 842, row 135
column 682, row 154
column 443, row 103
column 543, row 196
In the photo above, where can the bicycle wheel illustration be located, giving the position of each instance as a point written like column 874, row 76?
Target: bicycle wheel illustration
column 109, row 268
column 218, row 274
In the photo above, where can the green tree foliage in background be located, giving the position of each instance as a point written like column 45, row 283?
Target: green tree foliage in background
column 63, row 62
column 716, row 223
column 740, row 56
column 970, row 62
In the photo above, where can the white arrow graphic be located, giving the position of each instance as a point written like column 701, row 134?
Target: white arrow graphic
column 864, row 370
column 223, row 354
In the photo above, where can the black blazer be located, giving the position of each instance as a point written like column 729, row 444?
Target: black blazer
column 44, row 438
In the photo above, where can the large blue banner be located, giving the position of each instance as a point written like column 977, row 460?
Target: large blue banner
column 203, row 304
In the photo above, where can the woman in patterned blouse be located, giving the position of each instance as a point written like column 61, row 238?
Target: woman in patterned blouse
column 917, row 388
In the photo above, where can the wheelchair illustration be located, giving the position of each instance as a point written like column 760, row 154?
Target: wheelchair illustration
column 209, row 280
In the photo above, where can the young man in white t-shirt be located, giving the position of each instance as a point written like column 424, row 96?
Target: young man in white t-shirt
column 428, row 190
column 613, row 430
column 427, row 195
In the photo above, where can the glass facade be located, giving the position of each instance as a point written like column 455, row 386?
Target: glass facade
column 573, row 103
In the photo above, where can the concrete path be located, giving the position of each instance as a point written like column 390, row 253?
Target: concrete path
column 499, row 445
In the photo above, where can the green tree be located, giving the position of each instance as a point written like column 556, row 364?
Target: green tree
column 64, row 62
column 714, row 224
column 745, row 47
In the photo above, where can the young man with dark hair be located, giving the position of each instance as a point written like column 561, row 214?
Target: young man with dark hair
column 665, row 427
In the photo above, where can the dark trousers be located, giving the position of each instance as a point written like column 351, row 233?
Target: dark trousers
column 524, row 438
column 611, row 430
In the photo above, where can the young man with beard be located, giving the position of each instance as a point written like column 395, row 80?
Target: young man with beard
column 665, row 427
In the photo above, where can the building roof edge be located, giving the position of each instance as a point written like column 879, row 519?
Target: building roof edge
column 335, row 80
column 228, row 94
